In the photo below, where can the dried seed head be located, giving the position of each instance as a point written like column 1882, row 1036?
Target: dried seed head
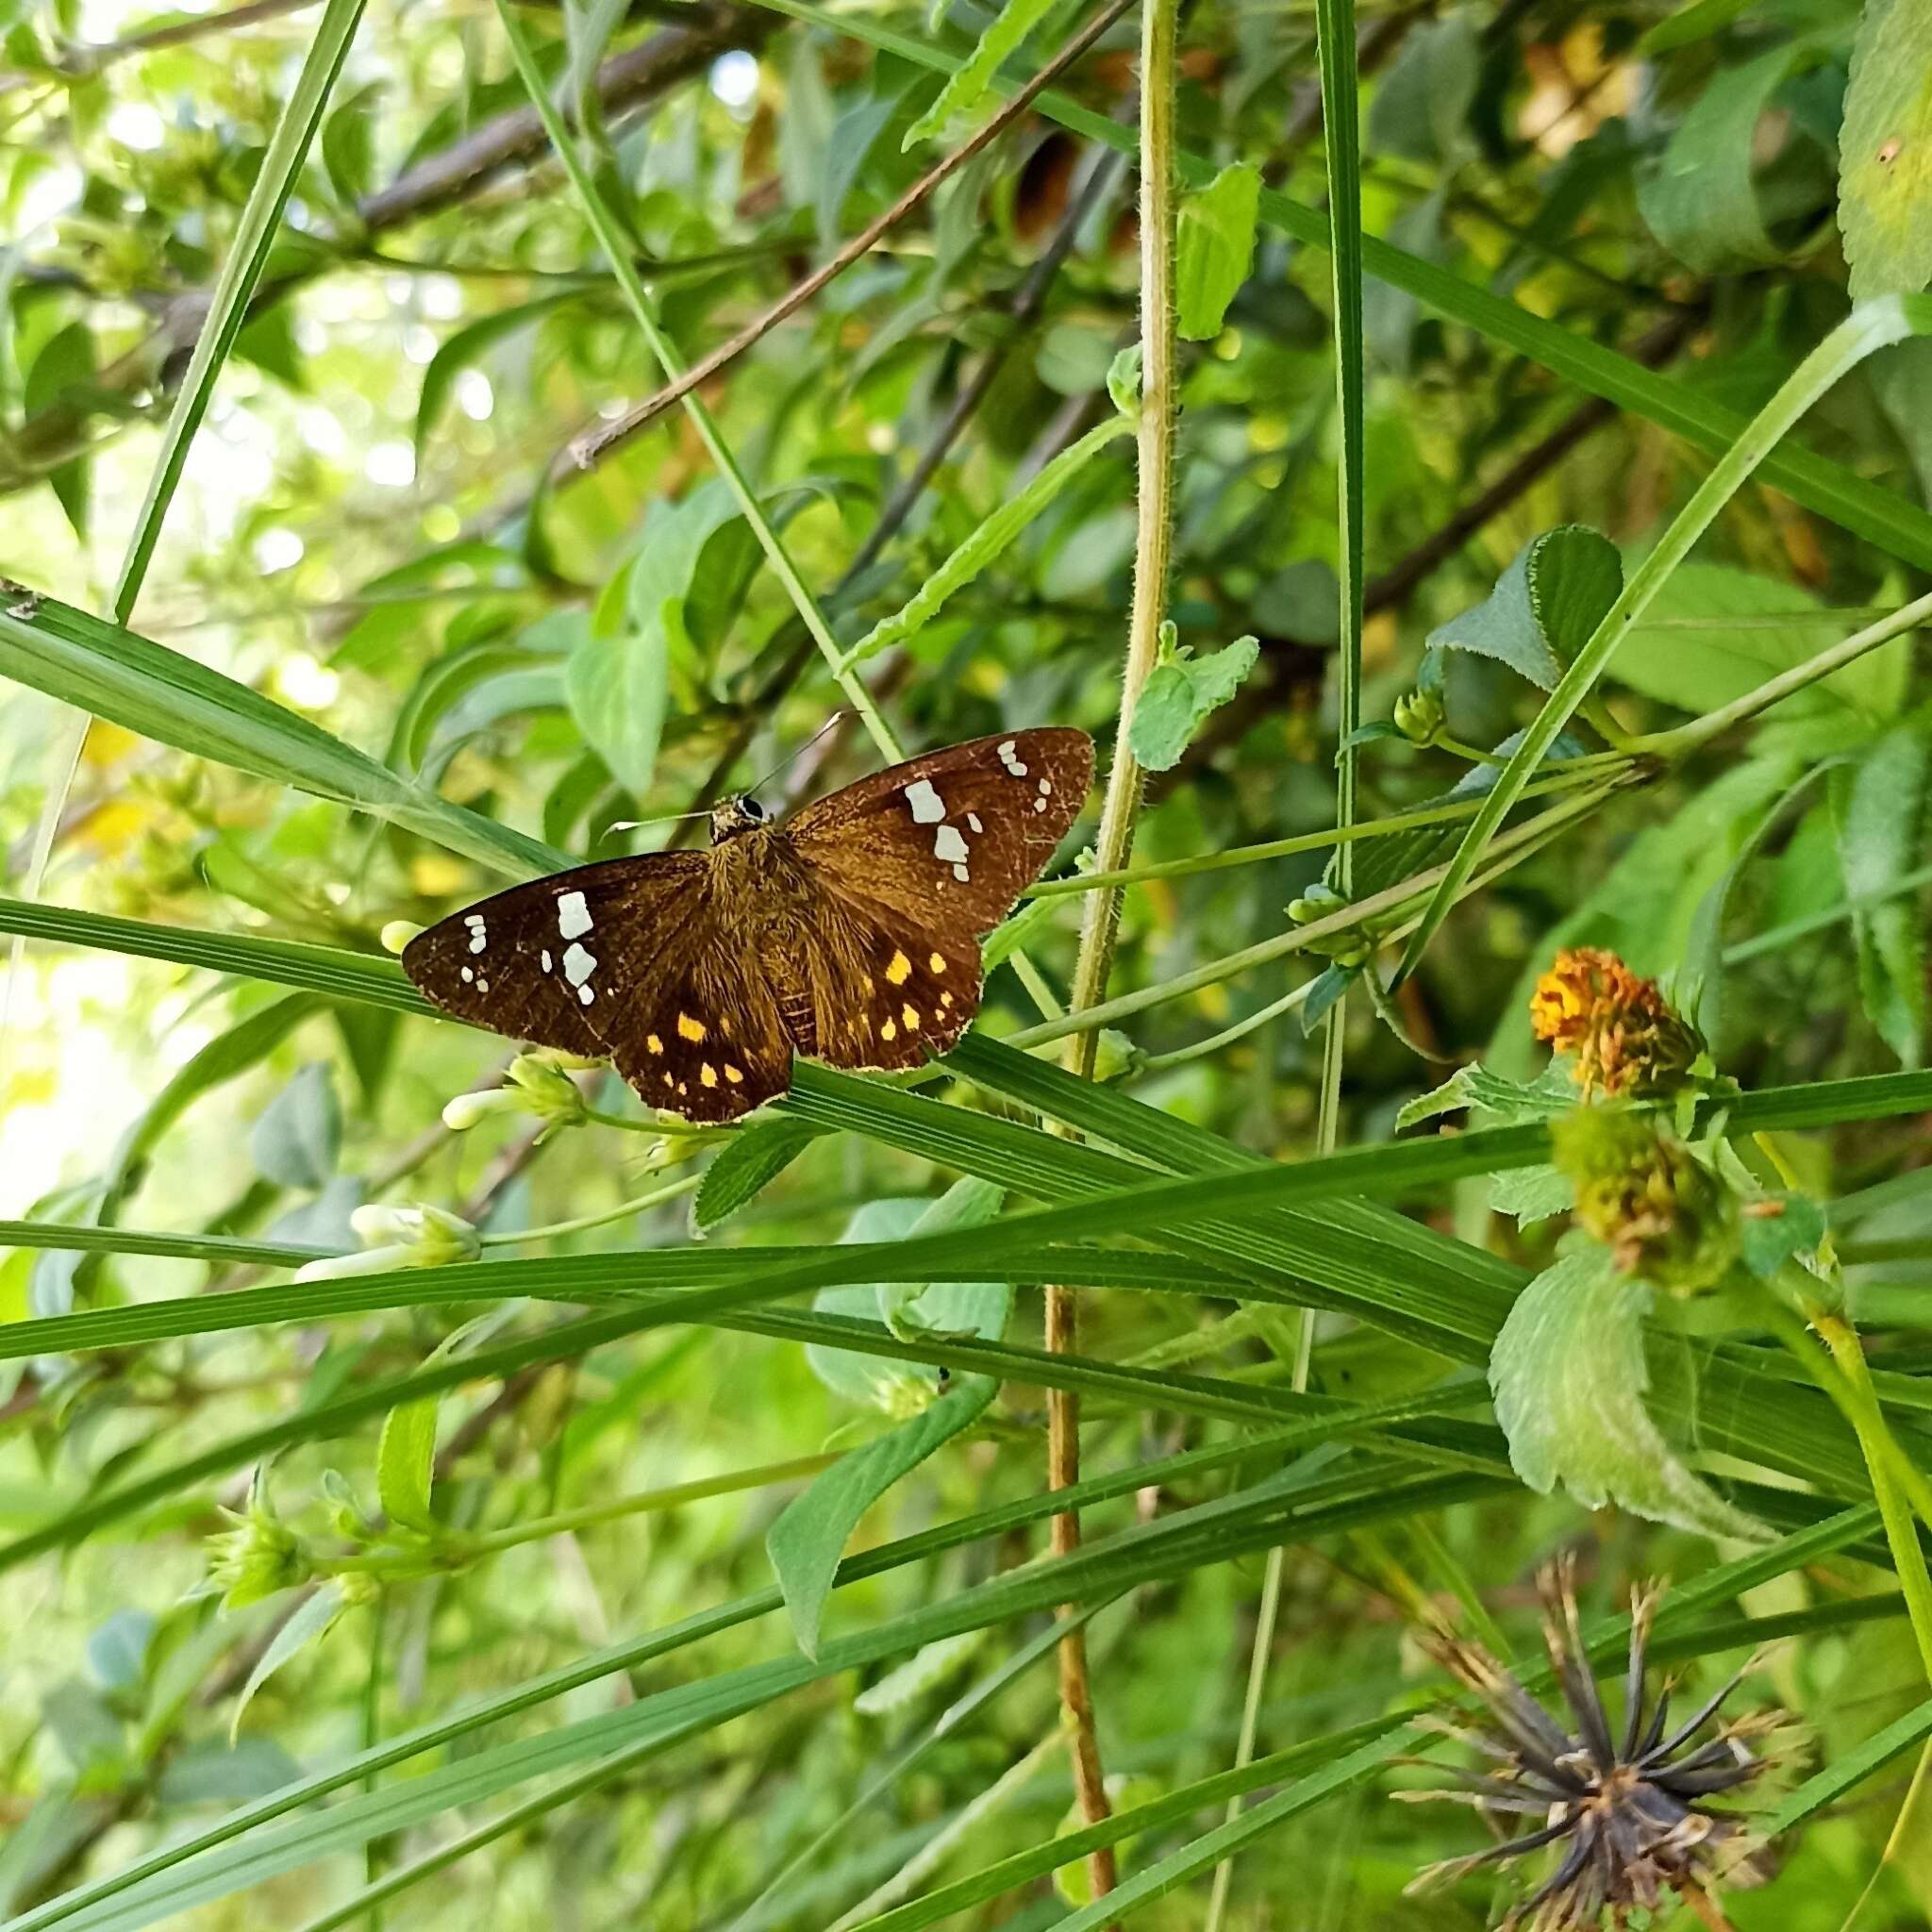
column 1627, row 1807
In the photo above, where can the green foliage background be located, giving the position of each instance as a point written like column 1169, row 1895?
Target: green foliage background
column 300, row 319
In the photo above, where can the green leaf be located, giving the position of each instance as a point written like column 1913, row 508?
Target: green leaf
column 1544, row 606
column 964, row 90
column 951, row 1308
column 313, row 1619
column 1180, row 695
column 807, row 1540
column 1420, row 110
column 1215, row 248
column 617, row 684
column 1769, row 1240
column 1879, row 805
column 990, row 540
column 64, row 366
column 1700, row 198
column 406, row 1465
column 299, row 1133
column 1714, row 632
column 1569, row 1376
column 1885, row 149
column 248, row 255
column 749, row 1161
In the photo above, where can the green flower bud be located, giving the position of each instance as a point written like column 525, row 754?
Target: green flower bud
column 420, row 1237
column 1420, row 715
column 1642, row 1192
column 260, row 1556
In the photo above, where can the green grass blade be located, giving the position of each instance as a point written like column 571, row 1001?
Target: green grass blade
column 255, row 235
column 118, row 675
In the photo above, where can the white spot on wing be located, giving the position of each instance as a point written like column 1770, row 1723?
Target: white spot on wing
column 1010, row 756
column 949, row 846
column 573, row 916
column 469, row 973
column 585, row 994
column 546, row 960
column 578, row 964
column 928, row 806
column 960, row 874
column 973, row 823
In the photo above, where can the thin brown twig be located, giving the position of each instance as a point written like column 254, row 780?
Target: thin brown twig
column 589, row 449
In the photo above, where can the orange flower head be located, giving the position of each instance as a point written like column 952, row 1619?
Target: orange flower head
column 1619, row 1027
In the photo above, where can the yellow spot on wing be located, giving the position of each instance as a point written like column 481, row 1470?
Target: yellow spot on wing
column 946, row 999
column 708, row 1074
column 889, row 1030
column 937, row 963
column 911, row 1016
column 690, row 1029
column 656, row 1044
column 732, row 1074
column 900, row 971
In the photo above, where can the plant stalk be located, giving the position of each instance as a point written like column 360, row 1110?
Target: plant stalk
column 1114, row 843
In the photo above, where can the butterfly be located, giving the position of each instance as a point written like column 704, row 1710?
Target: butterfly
column 849, row 933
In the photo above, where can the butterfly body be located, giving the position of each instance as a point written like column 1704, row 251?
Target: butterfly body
column 849, row 934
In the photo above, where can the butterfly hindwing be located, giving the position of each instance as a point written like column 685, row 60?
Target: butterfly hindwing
column 871, row 992
column 704, row 1038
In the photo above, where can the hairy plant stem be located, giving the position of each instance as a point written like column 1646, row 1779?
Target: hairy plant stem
column 1115, row 840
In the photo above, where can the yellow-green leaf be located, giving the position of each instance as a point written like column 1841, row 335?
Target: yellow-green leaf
column 1885, row 148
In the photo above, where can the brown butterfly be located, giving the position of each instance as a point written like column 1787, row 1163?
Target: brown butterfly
column 850, row 933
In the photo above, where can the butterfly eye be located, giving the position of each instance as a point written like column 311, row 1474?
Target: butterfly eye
column 753, row 810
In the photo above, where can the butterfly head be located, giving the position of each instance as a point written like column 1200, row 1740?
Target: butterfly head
column 733, row 817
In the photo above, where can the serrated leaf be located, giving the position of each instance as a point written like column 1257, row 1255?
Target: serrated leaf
column 751, row 1161
column 1880, row 806
column 1501, row 1101
column 312, row 1620
column 299, row 1133
column 1529, row 1194
column 807, row 1540
column 969, row 82
column 1178, row 696
column 406, row 1465
column 1215, row 248
column 1885, row 148
column 1569, row 1376
column 1544, row 606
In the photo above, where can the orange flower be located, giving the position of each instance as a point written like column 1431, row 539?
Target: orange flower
column 1619, row 1027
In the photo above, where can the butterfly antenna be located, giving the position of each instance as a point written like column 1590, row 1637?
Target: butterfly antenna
column 663, row 818
column 837, row 718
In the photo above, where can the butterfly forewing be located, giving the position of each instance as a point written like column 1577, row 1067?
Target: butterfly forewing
column 914, row 864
